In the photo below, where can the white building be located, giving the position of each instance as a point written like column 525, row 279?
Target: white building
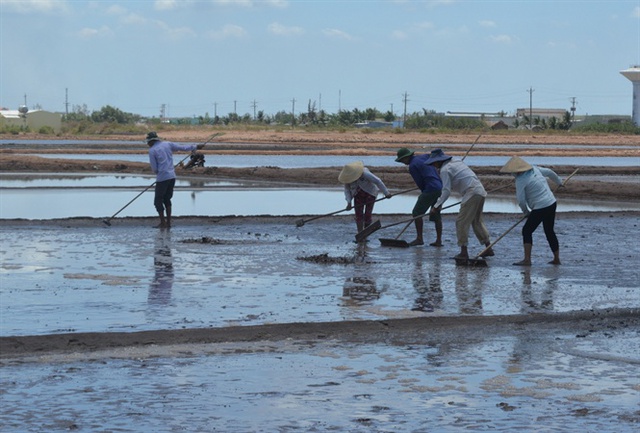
column 34, row 120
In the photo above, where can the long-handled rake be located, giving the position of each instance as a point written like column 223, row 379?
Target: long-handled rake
column 401, row 243
column 107, row 221
column 302, row 222
column 479, row 260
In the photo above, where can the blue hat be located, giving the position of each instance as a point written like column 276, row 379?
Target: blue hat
column 437, row 155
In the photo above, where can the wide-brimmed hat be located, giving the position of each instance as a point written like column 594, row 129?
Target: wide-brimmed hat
column 437, row 155
column 152, row 136
column 403, row 153
column 351, row 172
column 516, row 165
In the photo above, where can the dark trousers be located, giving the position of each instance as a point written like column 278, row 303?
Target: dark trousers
column 546, row 216
column 164, row 193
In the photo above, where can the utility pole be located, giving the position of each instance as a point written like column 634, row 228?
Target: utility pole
column 404, row 116
column 530, row 106
column 254, row 105
column 234, row 108
column 293, row 112
column 573, row 109
column 215, row 109
column 339, row 101
column 66, row 101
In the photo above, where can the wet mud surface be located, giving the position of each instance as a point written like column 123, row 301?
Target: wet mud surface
column 254, row 324
column 247, row 324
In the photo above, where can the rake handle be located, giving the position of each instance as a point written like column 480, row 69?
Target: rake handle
column 303, row 222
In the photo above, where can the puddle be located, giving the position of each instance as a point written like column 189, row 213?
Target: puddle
column 102, row 196
column 497, row 383
column 300, row 161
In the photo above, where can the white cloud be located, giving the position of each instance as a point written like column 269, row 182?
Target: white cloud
column 116, row 10
column 501, row 39
column 89, row 33
column 175, row 33
column 335, row 33
column 487, row 23
column 165, row 5
column 399, row 35
column 34, row 6
column 279, row 29
column 251, row 3
column 133, row 19
column 228, row 31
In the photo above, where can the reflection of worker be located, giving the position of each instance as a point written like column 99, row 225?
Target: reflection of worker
column 529, row 304
column 361, row 287
column 459, row 178
column 429, row 290
column 469, row 293
column 161, row 160
column 361, row 186
column 160, row 288
column 533, row 192
column 428, row 181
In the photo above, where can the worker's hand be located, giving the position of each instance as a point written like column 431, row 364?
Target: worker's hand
column 561, row 185
column 435, row 210
column 200, row 146
column 388, row 195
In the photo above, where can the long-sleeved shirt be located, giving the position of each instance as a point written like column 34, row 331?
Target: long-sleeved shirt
column 425, row 176
column 532, row 188
column 368, row 182
column 161, row 158
column 459, row 178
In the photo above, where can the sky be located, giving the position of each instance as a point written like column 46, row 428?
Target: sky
column 215, row 57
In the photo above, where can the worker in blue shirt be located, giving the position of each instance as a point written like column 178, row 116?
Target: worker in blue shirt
column 161, row 160
column 428, row 181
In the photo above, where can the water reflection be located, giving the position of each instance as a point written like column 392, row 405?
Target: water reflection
column 428, row 289
column 360, row 288
column 162, row 283
column 542, row 302
column 470, row 283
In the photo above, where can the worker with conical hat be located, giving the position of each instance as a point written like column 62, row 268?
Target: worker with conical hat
column 428, row 181
column 361, row 187
column 537, row 201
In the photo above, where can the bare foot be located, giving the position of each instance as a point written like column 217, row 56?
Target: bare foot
column 462, row 257
column 523, row 263
column 416, row 242
column 435, row 244
column 554, row 262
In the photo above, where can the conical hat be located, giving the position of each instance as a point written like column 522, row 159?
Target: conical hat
column 351, row 172
column 516, row 165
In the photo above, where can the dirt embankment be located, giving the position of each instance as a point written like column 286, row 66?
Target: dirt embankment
column 595, row 182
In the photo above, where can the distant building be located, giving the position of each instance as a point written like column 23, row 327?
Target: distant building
column 34, row 120
column 542, row 113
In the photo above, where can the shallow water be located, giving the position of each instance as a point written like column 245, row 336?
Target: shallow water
column 300, row 161
column 500, row 383
column 64, row 278
column 103, row 195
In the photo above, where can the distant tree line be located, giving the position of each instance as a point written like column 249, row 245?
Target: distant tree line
column 111, row 117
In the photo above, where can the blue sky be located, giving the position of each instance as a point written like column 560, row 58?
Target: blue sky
column 214, row 56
